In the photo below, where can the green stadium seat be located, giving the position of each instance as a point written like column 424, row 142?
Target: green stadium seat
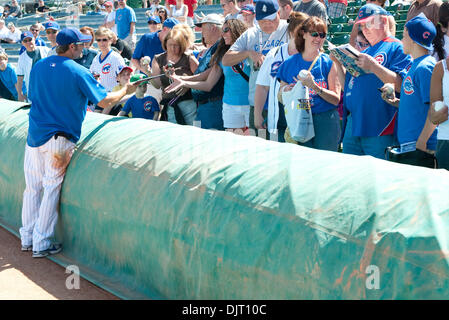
column 357, row 3
column 342, row 19
column 333, row 28
column 347, row 28
column 340, row 39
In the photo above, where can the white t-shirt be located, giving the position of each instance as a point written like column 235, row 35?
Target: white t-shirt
column 443, row 128
column 107, row 68
column 14, row 36
column 256, row 40
column 272, row 62
column 25, row 63
column 4, row 33
column 109, row 18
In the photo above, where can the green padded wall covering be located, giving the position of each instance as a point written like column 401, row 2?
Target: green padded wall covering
column 161, row 211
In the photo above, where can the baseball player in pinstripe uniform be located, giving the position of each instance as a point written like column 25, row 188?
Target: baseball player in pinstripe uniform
column 57, row 111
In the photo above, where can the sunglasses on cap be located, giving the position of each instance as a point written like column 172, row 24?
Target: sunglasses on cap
column 315, row 34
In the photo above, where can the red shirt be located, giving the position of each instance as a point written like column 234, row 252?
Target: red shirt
column 188, row 3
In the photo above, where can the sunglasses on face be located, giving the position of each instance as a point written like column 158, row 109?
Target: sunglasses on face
column 27, row 40
column 102, row 40
column 322, row 35
column 51, row 31
column 225, row 29
column 34, row 30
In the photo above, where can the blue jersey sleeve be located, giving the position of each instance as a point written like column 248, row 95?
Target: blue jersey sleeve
column 401, row 62
column 423, row 78
column 91, row 88
column 132, row 17
column 127, row 106
column 138, row 52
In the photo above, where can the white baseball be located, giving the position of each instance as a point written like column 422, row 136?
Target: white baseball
column 303, row 73
column 439, row 105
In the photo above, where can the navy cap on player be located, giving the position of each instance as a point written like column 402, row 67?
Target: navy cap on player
column 51, row 25
column 71, row 35
column 422, row 31
column 170, row 23
column 369, row 10
column 154, row 19
column 26, row 34
column 266, row 9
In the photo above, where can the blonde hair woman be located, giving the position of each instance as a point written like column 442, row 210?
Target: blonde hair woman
column 106, row 63
column 175, row 60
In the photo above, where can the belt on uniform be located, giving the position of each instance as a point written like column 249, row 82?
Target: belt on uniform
column 63, row 134
column 209, row 100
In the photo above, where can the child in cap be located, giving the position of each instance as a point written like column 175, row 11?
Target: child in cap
column 8, row 78
column 416, row 134
column 123, row 75
column 139, row 105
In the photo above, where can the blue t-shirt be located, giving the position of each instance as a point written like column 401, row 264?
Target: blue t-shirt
column 141, row 108
column 59, row 103
column 123, row 18
column 235, row 87
column 320, row 71
column 149, row 45
column 371, row 115
column 414, row 103
column 9, row 79
column 38, row 42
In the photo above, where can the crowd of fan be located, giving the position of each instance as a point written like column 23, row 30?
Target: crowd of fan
column 234, row 80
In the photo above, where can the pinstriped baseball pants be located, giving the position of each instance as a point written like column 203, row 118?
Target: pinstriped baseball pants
column 44, row 168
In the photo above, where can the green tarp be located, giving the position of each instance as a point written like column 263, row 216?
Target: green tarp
column 156, row 210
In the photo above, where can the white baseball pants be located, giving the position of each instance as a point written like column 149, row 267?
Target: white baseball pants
column 45, row 168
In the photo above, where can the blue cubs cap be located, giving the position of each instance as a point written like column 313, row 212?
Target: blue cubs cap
column 121, row 68
column 422, row 31
column 369, row 10
column 51, row 25
column 170, row 23
column 26, row 34
column 266, row 9
column 71, row 35
column 154, row 19
column 249, row 8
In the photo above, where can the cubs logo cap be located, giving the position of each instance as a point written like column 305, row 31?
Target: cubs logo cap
column 249, row 8
column 369, row 10
column 71, row 35
column 26, row 34
column 422, row 31
column 51, row 25
column 121, row 68
column 154, row 19
column 170, row 23
column 266, row 9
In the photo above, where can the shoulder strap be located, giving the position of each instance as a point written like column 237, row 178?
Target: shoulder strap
column 243, row 74
column 445, row 65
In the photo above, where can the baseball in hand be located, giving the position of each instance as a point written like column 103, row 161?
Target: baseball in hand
column 303, row 74
column 438, row 105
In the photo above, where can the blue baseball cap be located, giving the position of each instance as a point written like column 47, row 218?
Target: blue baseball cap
column 422, row 31
column 369, row 10
column 266, row 9
column 71, row 35
column 51, row 25
column 170, row 23
column 26, row 34
column 155, row 19
column 248, row 8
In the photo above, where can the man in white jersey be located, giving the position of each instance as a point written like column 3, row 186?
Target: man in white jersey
column 255, row 43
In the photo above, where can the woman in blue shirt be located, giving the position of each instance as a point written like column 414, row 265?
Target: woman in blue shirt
column 235, row 111
column 322, row 81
